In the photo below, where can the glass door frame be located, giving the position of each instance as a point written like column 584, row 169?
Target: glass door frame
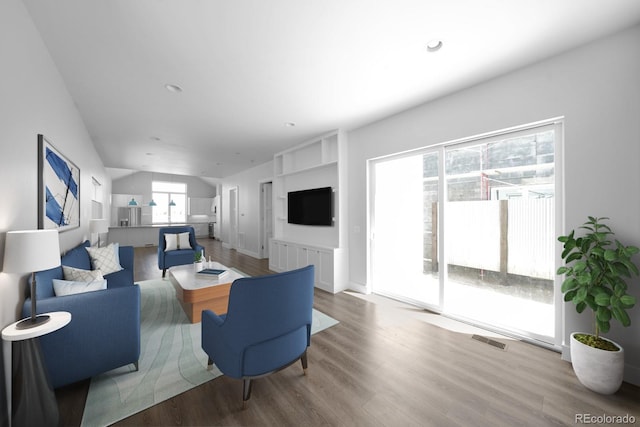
column 371, row 191
column 558, row 126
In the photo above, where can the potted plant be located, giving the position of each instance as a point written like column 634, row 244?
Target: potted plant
column 198, row 259
column 596, row 269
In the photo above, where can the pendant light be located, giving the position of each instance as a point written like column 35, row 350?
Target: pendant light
column 172, row 203
column 152, row 202
column 132, row 202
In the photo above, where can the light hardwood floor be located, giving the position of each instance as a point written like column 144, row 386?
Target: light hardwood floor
column 382, row 365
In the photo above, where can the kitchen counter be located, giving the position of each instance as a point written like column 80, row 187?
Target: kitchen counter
column 194, row 223
column 147, row 235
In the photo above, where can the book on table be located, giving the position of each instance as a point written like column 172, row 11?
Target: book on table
column 212, row 273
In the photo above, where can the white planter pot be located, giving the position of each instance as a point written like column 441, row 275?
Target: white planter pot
column 598, row 370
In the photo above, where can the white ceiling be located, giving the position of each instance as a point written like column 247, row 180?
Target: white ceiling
column 247, row 67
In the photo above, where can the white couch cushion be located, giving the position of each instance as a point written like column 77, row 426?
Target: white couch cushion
column 176, row 241
column 70, row 287
column 106, row 259
column 79, row 275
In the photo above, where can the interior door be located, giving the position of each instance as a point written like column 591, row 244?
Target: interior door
column 233, row 218
column 266, row 217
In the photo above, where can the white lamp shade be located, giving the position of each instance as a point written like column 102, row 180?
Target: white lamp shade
column 31, row 250
column 98, row 226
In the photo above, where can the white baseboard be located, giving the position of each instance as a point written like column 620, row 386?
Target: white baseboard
column 249, row 253
column 358, row 287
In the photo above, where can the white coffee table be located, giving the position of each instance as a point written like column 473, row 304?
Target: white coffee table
column 196, row 294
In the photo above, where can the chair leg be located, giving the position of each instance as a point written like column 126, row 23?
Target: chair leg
column 246, row 392
column 303, row 359
column 164, row 272
column 209, row 364
column 136, row 364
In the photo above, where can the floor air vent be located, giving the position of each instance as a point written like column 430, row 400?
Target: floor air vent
column 494, row 343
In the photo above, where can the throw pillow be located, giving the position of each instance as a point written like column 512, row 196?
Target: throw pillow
column 177, row 241
column 79, row 275
column 69, row 287
column 105, row 259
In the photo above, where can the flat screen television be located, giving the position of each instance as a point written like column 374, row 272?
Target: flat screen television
column 310, row 207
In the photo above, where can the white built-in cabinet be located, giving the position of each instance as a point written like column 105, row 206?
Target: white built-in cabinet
column 200, row 229
column 328, row 262
column 200, row 206
column 317, row 163
column 318, row 153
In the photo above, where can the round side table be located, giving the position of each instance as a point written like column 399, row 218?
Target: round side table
column 33, row 401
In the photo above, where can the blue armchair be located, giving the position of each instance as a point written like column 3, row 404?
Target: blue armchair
column 182, row 254
column 267, row 326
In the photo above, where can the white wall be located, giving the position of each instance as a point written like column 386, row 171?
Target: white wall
column 596, row 88
column 34, row 100
column 140, row 183
column 248, row 183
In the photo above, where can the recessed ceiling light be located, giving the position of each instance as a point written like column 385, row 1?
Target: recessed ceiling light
column 154, row 138
column 173, row 88
column 434, row 45
column 290, row 124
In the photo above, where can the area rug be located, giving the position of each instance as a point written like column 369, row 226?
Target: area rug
column 171, row 359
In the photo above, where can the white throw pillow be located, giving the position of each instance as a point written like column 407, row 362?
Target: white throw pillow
column 69, row 287
column 79, row 275
column 177, row 241
column 106, row 259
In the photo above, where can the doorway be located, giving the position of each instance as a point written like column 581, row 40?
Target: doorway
column 233, row 217
column 266, row 217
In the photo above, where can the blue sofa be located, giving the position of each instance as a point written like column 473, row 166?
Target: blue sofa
column 104, row 332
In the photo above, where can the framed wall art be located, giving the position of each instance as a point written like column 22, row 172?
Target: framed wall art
column 58, row 189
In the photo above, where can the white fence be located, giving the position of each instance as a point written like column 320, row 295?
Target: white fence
column 475, row 234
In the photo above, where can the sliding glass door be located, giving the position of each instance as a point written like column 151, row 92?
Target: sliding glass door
column 499, row 214
column 405, row 254
column 487, row 207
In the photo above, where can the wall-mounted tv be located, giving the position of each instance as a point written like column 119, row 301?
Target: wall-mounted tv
column 310, row 207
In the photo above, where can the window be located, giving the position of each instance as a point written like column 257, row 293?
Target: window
column 171, row 202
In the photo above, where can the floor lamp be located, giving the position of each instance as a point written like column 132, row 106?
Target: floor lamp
column 98, row 226
column 31, row 251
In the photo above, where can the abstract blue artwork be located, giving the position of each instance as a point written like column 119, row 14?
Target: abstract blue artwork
column 58, row 189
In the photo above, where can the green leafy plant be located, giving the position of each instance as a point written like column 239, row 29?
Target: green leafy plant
column 596, row 269
column 197, row 257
